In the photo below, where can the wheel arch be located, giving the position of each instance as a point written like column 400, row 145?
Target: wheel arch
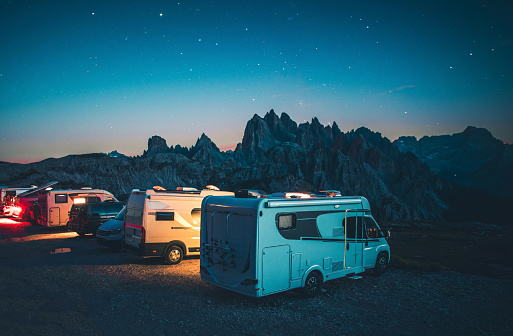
column 318, row 269
column 385, row 251
column 179, row 243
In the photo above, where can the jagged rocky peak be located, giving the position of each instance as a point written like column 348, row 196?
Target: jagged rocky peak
column 156, row 145
column 282, row 132
column 257, row 136
column 407, row 144
column 475, row 132
column 289, row 124
column 205, row 141
column 334, row 131
column 205, row 151
column 313, row 135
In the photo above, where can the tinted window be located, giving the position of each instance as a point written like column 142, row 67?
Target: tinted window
column 354, row 227
column 93, row 199
column 61, row 198
column 371, row 229
column 286, row 222
column 134, row 215
column 98, row 209
column 165, row 216
column 113, row 208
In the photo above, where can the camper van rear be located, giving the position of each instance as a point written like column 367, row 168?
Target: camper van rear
column 160, row 223
column 261, row 246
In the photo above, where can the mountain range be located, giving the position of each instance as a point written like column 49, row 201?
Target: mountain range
column 462, row 177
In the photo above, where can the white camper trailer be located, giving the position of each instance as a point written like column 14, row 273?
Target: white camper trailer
column 160, row 223
column 54, row 205
column 261, row 246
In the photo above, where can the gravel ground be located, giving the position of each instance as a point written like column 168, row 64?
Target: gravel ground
column 56, row 283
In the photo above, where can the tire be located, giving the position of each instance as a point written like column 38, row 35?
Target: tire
column 173, row 255
column 381, row 264
column 313, row 285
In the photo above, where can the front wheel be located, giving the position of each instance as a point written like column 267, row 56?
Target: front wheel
column 173, row 255
column 313, row 285
column 381, row 264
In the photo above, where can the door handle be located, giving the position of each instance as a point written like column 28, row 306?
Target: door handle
column 347, row 247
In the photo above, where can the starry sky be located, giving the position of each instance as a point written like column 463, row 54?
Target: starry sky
column 95, row 76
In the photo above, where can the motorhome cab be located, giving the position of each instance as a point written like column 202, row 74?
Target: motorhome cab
column 160, row 223
column 261, row 246
column 54, row 205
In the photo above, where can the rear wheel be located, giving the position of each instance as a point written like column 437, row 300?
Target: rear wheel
column 313, row 285
column 173, row 255
column 381, row 264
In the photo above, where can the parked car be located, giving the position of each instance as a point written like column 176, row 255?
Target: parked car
column 110, row 233
column 87, row 217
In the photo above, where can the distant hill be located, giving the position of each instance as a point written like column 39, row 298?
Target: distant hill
column 277, row 154
column 473, row 158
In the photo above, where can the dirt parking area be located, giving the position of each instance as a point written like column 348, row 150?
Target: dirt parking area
column 57, row 283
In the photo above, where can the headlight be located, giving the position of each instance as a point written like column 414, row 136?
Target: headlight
column 116, row 231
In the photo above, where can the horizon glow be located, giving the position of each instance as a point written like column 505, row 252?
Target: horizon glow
column 92, row 77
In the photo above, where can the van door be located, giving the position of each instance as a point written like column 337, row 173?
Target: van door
column 275, row 269
column 372, row 242
column 133, row 224
column 354, row 243
column 54, row 217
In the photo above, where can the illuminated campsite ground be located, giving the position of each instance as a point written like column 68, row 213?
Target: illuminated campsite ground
column 57, row 283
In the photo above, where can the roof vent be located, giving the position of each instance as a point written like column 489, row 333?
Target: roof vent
column 186, row 189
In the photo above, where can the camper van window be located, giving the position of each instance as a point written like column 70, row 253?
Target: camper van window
column 286, row 221
column 165, row 216
column 371, row 228
column 354, row 228
column 134, row 215
column 196, row 215
column 61, row 198
column 93, row 199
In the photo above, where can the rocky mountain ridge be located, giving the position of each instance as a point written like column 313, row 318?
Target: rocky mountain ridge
column 276, row 154
column 471, row 158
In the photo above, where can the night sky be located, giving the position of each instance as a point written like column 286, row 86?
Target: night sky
column 95, row 76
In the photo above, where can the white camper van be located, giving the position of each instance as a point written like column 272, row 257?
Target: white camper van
column 54, row 205
column 160, row 223
column 261, row 246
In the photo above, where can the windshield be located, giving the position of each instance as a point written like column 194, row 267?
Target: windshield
column 121, row 215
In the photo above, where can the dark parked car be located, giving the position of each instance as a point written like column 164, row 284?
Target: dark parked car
column 87, row 217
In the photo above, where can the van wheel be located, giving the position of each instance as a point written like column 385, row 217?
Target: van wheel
column 381, row 264
column 173, row 255
column 313, row 285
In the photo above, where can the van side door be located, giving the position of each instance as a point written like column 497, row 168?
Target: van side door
column 354, row 242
